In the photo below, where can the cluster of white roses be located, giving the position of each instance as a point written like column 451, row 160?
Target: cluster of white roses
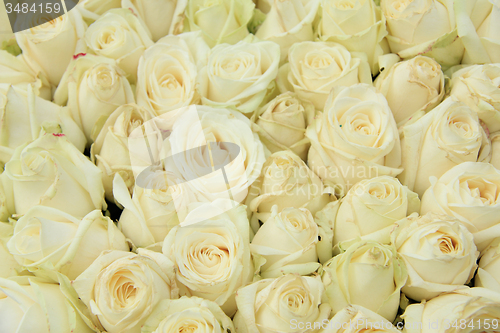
column 258, row 166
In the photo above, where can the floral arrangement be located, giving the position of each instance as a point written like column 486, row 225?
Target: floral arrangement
column 235, row 166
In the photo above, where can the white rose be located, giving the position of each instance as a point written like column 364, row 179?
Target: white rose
column 314, row 68
column 281, row 124
column 239, row 76
column 110, row 150
column 287, row 242
column 122, row 288
column 468, row 192
column 8, row 264
column 161, row 17
column 188, row 313
column 221, row 21
column 411, row 86
column 62, row 242
column 168, row 71
column 356, row 319
column 48, row 48
column 478, row 86
column 469, row 310
column 33, row 304
column 15, row 71
column 289, row 22
column 354, row 138
column 121, row 36
column 212, row 257
column 358, row 25
column 51, row 172
column 423, row 27
column 489, row 267
column 369, row 274
column 286, row 181
column 370, row 209
column 93, row 87
column 277, row 305
column 448, row 135
column 439, row 253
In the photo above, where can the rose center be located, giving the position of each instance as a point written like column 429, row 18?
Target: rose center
column 125, row 291
column 447, row 244
column 401, row 5
column 344, row 5
column 462, row 126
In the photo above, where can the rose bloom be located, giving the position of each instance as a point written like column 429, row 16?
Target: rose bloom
column 239, row 76
column 370, row 209
column 439, row 253
column 188, row 313
column 161, row 17
column 448, row 135
column 93, row 87
column 168, row 71
column 411, row 86
column 48, row 48
column 221, row 21
column 478, row 86
column 33, row 304
column 119, row 35
column 212, row 257
column 369, row 274
column 354, row 138
column 488, row 273
column 357, row 25
column 470, row 193
column 471, row 310
column 287, row 243
column 423, row 27
column 289, row 22
column 52, row 172
column 122, row 288
column 277, row 305
column 281, row 124
column 314, row 68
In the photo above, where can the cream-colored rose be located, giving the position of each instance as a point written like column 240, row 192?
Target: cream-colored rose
column 466, row 310
column 48, row 48
column 221, row 21
column 15, row 71
column 212, row 257
column 287, row 241
column 411, row 86
column 161, row 17
column 356, row 319
column 110, row 150
column 358, row 25
column 188, row 314
column 26, row 117
column 281, row 124
column 314, row 68
column 439, row 253
column 423, row 27
column 122, row 288
column 239, row 76
column 93, row 87
column 281, row 305
column 470, row 193
column 448, row 135
column 488, row 275
column 33, row 305
column 289, row 22
column 286, row 181
column 62, row 242
column 8, row 264
column 354, row 138
column 121, row 36
column 370, row 209
column 168, row 71
column 369, row 274
column 478, row 86
column 52, row 172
